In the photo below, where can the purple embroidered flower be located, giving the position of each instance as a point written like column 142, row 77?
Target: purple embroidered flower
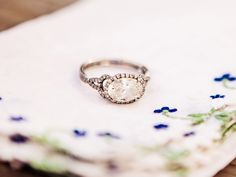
column 161, row 126
column 80, row 133
column 108, row 134
column 227, row 77
column 192, row 133
column 165, row 109
column 0, row 98
column 17, row 118
column 217, row 96
column 18, row 138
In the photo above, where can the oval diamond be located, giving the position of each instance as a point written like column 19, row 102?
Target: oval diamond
column 125, row 90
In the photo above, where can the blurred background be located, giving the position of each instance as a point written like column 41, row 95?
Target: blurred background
column 14, row 12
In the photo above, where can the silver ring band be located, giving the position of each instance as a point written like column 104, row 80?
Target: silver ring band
column 140, row 68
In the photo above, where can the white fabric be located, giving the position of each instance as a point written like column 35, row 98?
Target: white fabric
column 185, row 44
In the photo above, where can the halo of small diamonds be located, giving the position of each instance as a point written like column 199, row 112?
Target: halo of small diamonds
column 123, row 88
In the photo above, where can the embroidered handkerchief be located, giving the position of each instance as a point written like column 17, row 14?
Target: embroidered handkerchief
column 183, row 126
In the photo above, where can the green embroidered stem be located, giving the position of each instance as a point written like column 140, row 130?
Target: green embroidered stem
column 228, row 118
column 228, row 129
column 225, row 84
column 200, row 117
column 166, row 114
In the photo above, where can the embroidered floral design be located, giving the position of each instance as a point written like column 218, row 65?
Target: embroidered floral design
column 80, row 133
column 188, row 134
column 223, row 114
column 217, row 96
column 17, row 118
column 161, row 126
column 108, row 135
column 165, row 110
column 18, row 138
column 225, row 79
column 174, row 159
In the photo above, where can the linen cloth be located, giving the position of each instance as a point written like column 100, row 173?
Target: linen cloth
column 189, row 48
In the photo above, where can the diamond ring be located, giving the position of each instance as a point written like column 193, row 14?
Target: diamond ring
column 122, row 88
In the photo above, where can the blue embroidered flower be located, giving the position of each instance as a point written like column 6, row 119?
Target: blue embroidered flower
column 161, row 126
column 165, row 110
column 108, row 134
column 227, row 77
column 18, row 138
column 192, row 133
column 217, row 96
column 80, row 133
column 17, row 118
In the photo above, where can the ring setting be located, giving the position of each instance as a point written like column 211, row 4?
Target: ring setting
column 122, row 88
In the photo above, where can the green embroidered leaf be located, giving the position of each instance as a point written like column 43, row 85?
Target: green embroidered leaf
column 175, row 155
column 213, row 110
column 233, row 113
column 151, row 149
column 43, row 139
column 198, row 115
column 178, row 169
column 197, row 120
column 182, row 172
column 229, row 128
column 223, row 117
column 48, row 166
